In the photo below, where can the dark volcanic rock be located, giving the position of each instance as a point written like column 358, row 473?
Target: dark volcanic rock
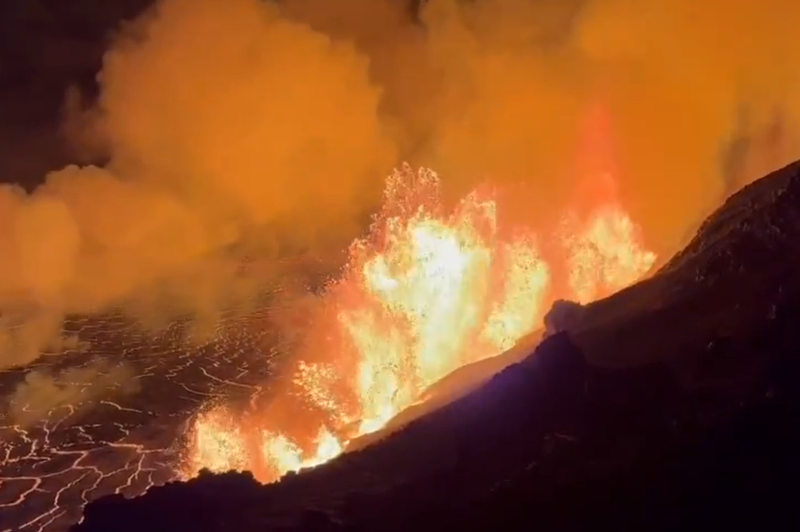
column 671, row 405
column 563, row 316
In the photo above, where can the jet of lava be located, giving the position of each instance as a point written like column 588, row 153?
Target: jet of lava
column 427, row 291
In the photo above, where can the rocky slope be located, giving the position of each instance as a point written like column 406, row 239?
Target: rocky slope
column 670, row 405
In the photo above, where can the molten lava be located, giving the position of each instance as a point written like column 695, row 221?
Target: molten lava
column 426, row 292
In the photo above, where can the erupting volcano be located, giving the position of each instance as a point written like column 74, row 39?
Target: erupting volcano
column 191, row 285
column 429, row 289
column 432, row 286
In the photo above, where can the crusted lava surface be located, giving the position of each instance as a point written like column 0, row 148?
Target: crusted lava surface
column 96, row 437
column 670, row 405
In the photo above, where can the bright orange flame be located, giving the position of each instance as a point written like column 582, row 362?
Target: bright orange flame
column 285, row 455
column 428, row 293
column 217, row 443
column 603, row 253
column 425, row 293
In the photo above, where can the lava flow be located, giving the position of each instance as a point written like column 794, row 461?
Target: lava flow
column 426, row 292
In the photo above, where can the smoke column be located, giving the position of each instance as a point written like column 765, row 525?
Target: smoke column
column 235, row 129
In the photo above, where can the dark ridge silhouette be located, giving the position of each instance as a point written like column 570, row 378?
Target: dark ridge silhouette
column 671, row 405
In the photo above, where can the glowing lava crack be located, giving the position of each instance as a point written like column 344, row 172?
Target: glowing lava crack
column 90, row 447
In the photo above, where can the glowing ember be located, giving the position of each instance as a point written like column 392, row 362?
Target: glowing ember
column 425, row 293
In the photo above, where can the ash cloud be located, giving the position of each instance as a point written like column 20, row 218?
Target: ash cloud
column 43, row 392
column 224, row 124
column 504, row 90
column 235, row 127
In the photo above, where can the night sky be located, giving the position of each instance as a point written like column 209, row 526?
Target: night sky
column 45, row 47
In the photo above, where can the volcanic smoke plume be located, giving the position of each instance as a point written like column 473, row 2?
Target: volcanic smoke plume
column 239, row 133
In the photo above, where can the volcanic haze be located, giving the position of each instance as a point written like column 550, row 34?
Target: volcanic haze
column 241, row 131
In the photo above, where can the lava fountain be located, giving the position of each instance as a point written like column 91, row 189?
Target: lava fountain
column 427, row 291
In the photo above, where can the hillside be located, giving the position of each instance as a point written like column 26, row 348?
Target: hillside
column 669, row 405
